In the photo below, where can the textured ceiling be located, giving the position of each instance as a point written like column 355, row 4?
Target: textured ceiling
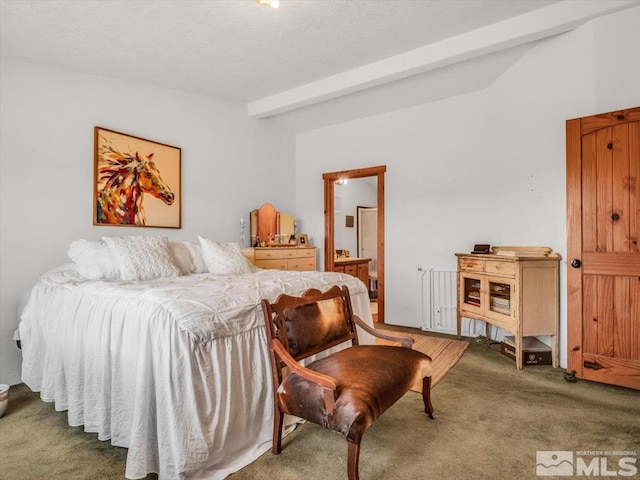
column 234, row 49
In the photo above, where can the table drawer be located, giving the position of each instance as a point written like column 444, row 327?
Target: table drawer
column 351, row 270
column 500, row 267
column 302, row 264
column 266, row 254
column 306, row 252
column 288, row 253
column 471, row 264
column 279, row 264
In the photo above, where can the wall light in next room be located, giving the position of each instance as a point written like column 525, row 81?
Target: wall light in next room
column 341, row 181
column 270, row 3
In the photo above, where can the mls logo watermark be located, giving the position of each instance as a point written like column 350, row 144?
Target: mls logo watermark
column 554, row 463
column 587, row 463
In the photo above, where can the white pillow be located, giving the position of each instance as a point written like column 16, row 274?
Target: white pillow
column 94, row 260
column 224, row 258
column 195, row 252
column 142, row 258
column 181, row 257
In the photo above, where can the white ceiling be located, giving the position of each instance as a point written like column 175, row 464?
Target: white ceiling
column 236, row 49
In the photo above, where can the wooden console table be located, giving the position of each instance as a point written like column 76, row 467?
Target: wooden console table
column 517, row 291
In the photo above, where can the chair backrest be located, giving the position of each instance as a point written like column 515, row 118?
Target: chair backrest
column 309, row 324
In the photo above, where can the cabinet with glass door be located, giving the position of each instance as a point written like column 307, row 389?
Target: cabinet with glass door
column 517, row 293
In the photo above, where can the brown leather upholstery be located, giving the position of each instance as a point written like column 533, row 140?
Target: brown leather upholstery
column 315, row 324
column 366, row 387
column 347, row 390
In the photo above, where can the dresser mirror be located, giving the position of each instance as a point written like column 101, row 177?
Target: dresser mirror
column 270, row 227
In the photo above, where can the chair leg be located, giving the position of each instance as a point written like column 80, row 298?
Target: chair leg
column 426, row 396
column 353, row 456
column 277, row 431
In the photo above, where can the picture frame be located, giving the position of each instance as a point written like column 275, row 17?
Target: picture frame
column 348, row 221
column 136, row 181
column 302, row 240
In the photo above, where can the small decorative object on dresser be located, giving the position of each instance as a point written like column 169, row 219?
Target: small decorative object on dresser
column 513, row 288
column 302, row 239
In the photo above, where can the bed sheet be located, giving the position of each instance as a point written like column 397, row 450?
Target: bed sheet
column 176, row 370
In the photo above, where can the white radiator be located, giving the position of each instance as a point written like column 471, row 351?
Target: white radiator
column 439, row 300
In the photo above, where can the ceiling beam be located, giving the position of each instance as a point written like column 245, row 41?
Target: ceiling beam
column 545, row 22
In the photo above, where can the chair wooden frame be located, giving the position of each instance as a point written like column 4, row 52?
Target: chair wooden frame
column 281, row 357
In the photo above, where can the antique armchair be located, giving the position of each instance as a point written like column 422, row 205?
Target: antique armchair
column 346, row 390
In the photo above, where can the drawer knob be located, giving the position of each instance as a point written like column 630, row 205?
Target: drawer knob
column 615, row 217
column 575, row 263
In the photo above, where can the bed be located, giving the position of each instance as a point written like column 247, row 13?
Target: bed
column 176, row 369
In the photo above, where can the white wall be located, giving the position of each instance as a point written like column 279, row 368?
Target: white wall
column 231, row 164
column 482, row 167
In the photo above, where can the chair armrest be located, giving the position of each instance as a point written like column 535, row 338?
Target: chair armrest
column 329, row 384
column 405, row 342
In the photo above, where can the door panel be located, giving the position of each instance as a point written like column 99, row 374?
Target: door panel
column 589, row 202
column 603, row 194
column 590, row 308
column 621, row 192
column 603, row 214
column 368, row 235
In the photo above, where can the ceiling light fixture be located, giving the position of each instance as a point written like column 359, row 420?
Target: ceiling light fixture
column 270, row 3
column 341, row 181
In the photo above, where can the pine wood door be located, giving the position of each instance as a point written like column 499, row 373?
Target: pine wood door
column 603, row 227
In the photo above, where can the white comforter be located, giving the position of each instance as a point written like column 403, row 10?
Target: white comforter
column 176, row 370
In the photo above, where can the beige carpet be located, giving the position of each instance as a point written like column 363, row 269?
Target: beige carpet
column 469, row 439
column 444, row 353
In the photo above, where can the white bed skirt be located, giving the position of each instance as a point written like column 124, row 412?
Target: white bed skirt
column 176, row 371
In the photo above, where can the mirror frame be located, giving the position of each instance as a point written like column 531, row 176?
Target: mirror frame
column 256, row 220
column 329, row 221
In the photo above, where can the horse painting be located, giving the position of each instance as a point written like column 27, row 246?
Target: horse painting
column 122, row 181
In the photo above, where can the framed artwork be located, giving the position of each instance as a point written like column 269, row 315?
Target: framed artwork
column 302, row 239
column 136, row 181
column 348, row 221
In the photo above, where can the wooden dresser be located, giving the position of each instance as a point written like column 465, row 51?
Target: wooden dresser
column 282, row 258
column 358, row 267
column 518, row 293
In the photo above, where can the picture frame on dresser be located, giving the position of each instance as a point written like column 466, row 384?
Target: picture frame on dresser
column 302, row 239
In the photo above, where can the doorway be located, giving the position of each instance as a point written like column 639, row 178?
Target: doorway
column 330, row 181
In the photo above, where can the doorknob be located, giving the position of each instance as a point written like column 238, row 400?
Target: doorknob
column 615, row 217
column 575, row 263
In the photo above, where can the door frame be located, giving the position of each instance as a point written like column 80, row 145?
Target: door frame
column 329, row 221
